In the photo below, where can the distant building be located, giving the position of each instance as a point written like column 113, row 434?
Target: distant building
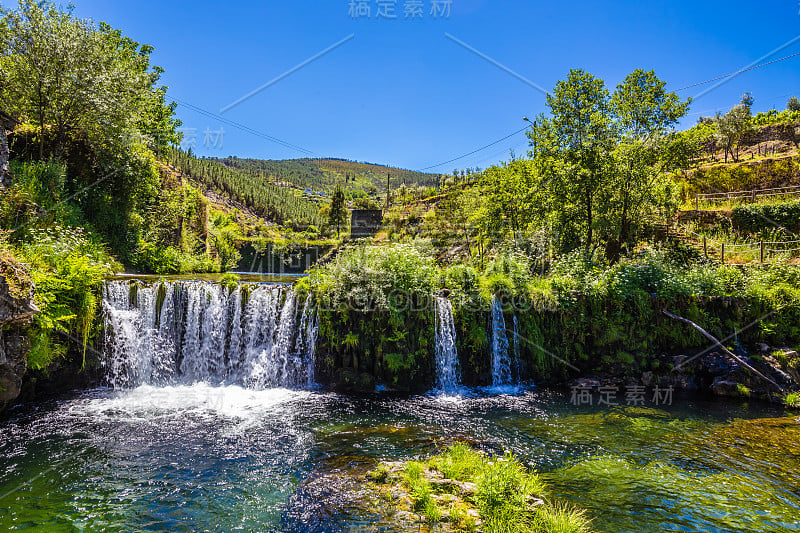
column 365, row 222
column 321, row 193
column 308, row 190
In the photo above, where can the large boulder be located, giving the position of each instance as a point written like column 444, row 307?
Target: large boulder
column 16, row 310
column 6, row 122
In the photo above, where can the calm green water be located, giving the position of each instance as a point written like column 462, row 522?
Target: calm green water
column 200, row 458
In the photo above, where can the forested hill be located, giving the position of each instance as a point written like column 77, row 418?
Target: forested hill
column 325, row 174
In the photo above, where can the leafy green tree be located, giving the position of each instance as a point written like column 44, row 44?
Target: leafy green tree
column 731, row 128
column 508, row 193
column 793, row 104
column 581, row 136
column 338, row 211
column 645, row 114
column 68, row 76
column 643, row 108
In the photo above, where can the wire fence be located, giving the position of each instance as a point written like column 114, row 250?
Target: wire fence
column 762, row 248
column 744, row 196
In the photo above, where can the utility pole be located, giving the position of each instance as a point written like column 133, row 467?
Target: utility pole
column 533, row 126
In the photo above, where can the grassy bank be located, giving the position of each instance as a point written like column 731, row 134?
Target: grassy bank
column 465, row 490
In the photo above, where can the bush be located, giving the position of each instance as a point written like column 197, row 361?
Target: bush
column 755, row 218
column 44, row 180
column 505, row 485
column 793, row 400
column 371, row 277
column 68, row 268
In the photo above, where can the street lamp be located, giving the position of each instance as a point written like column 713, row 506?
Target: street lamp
column 533, row 126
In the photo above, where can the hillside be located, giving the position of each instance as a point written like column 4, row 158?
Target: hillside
column 265, row 199
column 324, row 174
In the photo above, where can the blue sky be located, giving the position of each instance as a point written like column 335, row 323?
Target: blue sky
column 400, row 92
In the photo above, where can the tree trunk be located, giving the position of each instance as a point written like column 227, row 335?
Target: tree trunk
column 5, row 174
column 720, row 346
column 588, row 221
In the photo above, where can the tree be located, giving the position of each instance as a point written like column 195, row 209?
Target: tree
column 645, row 114
column 643, row 107
column 793, row 104
column 338, row 211
column 67, row 76
column 582, row 134
column 507, row 199
column 748, row 100
column 731, row 128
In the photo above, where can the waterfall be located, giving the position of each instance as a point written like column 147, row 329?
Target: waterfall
column 517, row 367
column 501, row 364
column 188, row 332
column 448, row 374
column 307, row 338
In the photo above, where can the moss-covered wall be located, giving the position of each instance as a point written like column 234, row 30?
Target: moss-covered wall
column 359, row 350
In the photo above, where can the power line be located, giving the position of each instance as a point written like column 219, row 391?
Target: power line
column 475, row 151
column 247, row 129
column 737, row 72
column 681, row 89
column 244, row 128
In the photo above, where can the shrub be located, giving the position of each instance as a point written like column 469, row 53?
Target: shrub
column 793, row 399
column 68, row 267
column 755, row 218
column 370, row 277
column 560, row 519
column 459, row 462
column 505, row 483
column 44, row 180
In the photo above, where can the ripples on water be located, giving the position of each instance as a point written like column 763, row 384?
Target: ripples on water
column 201, row 457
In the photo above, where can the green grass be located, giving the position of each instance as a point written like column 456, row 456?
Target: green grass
column 504, row 495
column 560, row 519
column 459, row 462
column 793, row 399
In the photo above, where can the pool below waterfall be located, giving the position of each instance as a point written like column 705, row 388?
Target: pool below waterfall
column 199, row 457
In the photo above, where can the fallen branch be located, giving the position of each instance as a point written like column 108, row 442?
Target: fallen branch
column 713, row 339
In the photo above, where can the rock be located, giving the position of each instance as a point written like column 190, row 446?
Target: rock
column 763, row 348
column 585, row 383
column 769, row 366
column 717, row 364
column 533, row 501
column 647, row 378
column 464, row 487
column 366, row 382
column 10, row 384
column 678, row 362
column 16, row 310
column 726, row 387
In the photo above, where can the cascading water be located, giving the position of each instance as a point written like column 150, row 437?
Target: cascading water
column 307, row 338
column 501, row 363
column 517, row 368
column 189, row 332
column 448, row 373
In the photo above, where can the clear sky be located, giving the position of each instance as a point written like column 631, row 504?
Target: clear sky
column 401, row 92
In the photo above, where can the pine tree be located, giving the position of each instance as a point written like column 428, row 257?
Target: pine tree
column 338, row 212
